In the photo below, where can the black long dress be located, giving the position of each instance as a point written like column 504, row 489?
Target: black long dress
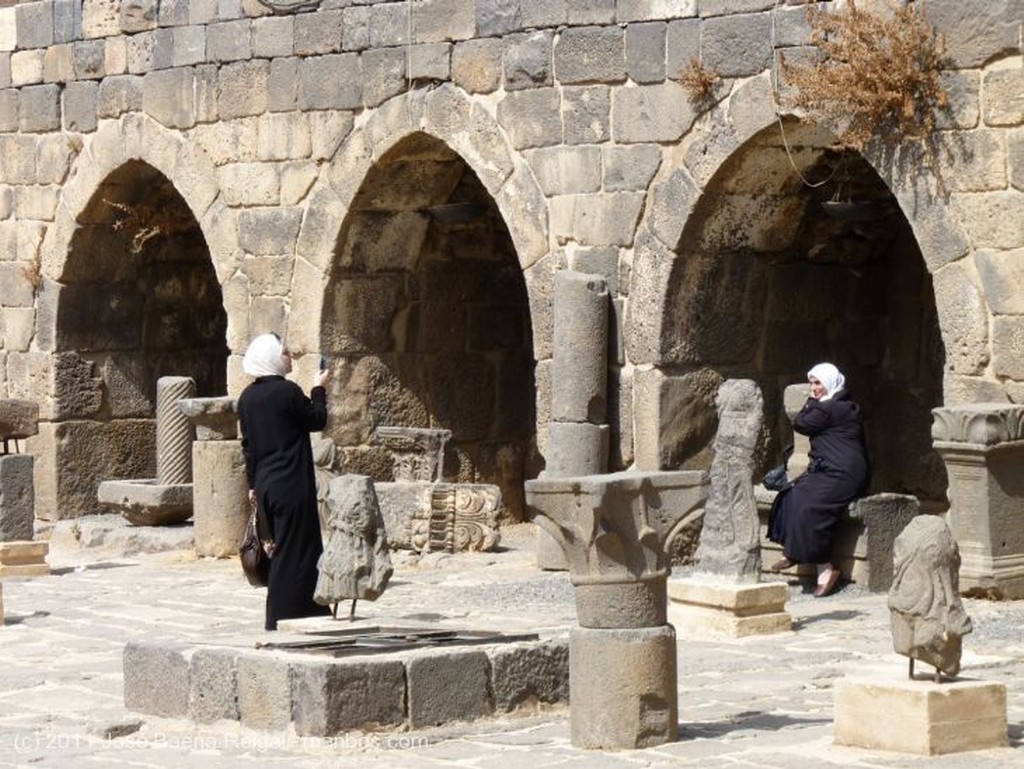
column 805, row 515
column 276, row 418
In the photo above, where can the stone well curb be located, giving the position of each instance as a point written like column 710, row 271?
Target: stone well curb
column 323, row 696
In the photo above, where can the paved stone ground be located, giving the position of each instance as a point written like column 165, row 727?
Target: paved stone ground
column 756, row 702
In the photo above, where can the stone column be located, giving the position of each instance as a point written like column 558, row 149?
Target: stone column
column 220, row 490
column 622, row 658
column 578, row 431
column 982, row 445
column 174, row 434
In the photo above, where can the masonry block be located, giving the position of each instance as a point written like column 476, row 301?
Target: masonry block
column 213, row 694
column 156, row 678
column 264, row 691
column 324, row 699
column 529, row 672
column 17, row 497
column 448, row 687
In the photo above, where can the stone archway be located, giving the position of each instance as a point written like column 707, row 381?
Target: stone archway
column 760, row 281
column 137, row 298
column 426, row 321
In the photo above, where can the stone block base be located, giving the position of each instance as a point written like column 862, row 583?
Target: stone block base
column 220, row 495
column 622, row 687
column 144, row 502
column 920, row 716
column 319, row 696
column 24, row 559
column 17, row 497
column 737, row 610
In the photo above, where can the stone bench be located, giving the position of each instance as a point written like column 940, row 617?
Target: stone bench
column 863, row 544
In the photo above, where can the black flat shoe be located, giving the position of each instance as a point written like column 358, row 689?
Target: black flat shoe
column 781, row 565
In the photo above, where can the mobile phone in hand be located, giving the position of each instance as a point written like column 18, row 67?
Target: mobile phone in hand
column 323, row 363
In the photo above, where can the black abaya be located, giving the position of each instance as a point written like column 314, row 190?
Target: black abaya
column 805, row 515
column 276, row 418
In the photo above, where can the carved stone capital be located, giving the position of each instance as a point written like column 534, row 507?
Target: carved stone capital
column 417, row 453
column 612, row 529
column 978, row 424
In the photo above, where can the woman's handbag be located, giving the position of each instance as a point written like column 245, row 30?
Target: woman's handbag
column 255, row 561
column 777, row 479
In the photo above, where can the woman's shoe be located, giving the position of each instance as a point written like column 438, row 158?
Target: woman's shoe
column 781, row 565
column 826, row 582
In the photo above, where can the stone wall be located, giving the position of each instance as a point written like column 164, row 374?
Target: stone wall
column 271, row 130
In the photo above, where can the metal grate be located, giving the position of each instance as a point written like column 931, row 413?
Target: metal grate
column 377, row 640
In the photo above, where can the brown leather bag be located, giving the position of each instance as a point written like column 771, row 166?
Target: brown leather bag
column 253, row 554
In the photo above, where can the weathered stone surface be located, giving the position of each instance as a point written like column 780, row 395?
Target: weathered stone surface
column 477, row 65
column 527, row 60
column 884, row 516
column 168, row 96
column 928, row 618
column 272, row 36
column 355, row 563
column 965, row 324
column 317, row 33
column 213, row 418
column 431, row 62
column 580, row 348
column 242, row 89
column 1008, row 346
column 330, row 82
column 586, row 114
column 264, row 691
column 322, row 701
column 878, row 713
column 220, row 501
column 156, row 679
column 212, row 691
column 18, row 418
column 629, row 168
column 529, row 672
column 607, row 218
column 80, row 106
column 436, row 21
column 384, row 76
column 995, row 219
column 730, row 539
column 651, row 113
column 633, row 703
column 147, row 503
column 17, row 497
column 645, row 52
column 228, row 41
column 566, row 171
column 118, row 95
column 532, row 117
column 449, row 687
column 269, row 231
column 576, row 448
column 589, row 54
column 977, row 32
column 737, row 46
column 497, row 17
column 39, row 108
column 703, row 603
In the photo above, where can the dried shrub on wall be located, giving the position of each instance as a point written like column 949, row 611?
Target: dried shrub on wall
column 879, row 70
column 699, row 81
column 150, row 219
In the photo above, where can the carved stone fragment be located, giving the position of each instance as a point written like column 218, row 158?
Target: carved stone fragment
column 730, row 542
column 355, row 562
column 928, row 619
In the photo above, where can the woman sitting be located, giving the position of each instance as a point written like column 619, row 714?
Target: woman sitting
column 805, row 514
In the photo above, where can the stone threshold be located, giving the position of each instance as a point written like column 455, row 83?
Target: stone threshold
column 273, row 689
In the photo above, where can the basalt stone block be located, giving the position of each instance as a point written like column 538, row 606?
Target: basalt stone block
column 324, row 702
column 144, row 502
column 529, row 672
column 632, row 702
column 264, row 691
column 156, row 678
column 212, row 691
column 449, row 687
column 220, row 502
column 18, row 418
column 17, row 497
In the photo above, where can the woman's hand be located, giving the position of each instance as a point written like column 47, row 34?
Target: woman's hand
column 323, row 377
column 252, row 496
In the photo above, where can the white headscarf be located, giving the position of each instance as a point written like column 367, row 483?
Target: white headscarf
column 263, row 358
column 830, row 377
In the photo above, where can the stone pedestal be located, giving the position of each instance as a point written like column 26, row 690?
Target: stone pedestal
column 17, row 497
column 220, row 489
column 24, row 559
column 612, row 530
column 220, row 497
column 735, row 610
column 919, row 716
column 983, row 448
column 622, row 687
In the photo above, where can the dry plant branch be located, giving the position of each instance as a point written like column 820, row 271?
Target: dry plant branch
column 879, row 70
column 699, row 81
column 148, row 220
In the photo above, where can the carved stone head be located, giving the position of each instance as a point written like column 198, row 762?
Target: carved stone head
column 927, row 615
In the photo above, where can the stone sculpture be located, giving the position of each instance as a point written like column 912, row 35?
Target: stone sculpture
column 355, row 563
column 324, row 452
column 729, row 541
column 928, row 618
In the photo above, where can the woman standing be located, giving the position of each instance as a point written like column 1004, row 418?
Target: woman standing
column 276, row 418
column 805, row 514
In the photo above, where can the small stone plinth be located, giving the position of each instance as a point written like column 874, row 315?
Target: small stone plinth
column 24, row 559
column 17, row 497
column 144, row 502
column 220, row 497
column 920, row 716
column 736, row 610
